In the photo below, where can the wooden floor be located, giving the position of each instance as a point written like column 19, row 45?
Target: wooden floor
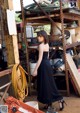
column 73, row 104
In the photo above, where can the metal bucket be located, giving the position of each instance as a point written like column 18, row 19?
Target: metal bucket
column 32, row 67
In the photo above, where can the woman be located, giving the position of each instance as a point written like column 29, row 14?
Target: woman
column 47, row 90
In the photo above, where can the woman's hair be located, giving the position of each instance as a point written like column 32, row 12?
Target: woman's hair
column 43, row 34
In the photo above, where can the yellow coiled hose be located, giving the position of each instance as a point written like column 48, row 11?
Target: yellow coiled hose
column 19, row 82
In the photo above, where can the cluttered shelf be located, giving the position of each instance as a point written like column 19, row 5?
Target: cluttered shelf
column 37, row 15
column 51, row 10
column 68, row 46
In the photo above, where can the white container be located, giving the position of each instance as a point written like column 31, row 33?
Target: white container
column 56, row 31
column 72, row 36
column 77, row 37
column 69, row 40
column 62, row 68
column 72, row 32
column 33, row 104
column 29, row 31
column 32, row 67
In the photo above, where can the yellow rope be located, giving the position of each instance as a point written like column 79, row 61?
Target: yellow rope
column 19, row 82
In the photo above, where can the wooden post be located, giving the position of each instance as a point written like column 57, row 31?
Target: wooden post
column 7, row 37
column 14, row 37
column 26, row 44
column 78, row 4
column 64, row 48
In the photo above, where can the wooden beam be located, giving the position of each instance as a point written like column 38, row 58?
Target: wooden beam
column 41, row 17
column 72, row 45
column 14, row 37
column 71, row 16
column 64, row 48
column 39, row 24
column 78, row 4
column 7, row 38
column 39, row 21
column 9, row 47
column 2, row 87
column 6, row 72
column 5, row 93
column 10, row 4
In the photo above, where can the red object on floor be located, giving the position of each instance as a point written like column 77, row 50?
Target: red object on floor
column 14, row 104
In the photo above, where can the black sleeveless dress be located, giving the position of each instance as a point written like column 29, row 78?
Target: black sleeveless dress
column 47, row 90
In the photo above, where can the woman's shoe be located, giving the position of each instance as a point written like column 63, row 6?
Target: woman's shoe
column 62, row 102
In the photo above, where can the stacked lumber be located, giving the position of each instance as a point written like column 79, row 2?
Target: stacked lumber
column 74, row 73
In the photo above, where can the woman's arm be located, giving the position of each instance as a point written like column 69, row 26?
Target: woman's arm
column 39, row 59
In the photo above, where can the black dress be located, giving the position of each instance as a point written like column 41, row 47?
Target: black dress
column 47, row 90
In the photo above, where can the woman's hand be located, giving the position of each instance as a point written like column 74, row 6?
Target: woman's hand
column 34, row 73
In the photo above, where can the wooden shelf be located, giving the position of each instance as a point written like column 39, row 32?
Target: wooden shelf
column 68, row 46
column 63, row 91
column 71, row 27
column 72, row 45
column 59, row 74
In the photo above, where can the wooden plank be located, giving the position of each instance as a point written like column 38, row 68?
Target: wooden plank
column 41, row 17
column 15, row 46
column 78, row 3
column 73, row 72
column 14, row 38
column 72, row 45
column 39, row 24
column 5, row 85
column 39, row 21
column 6, row 72
column 75, row 89
column 9, row 47
column 5, row 93
column 64, row 47
column 71, row 16
column 59, row 74
column 8, row 39
column 10, row 4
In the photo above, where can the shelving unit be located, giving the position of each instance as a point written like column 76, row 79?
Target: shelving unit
column 60, row 15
